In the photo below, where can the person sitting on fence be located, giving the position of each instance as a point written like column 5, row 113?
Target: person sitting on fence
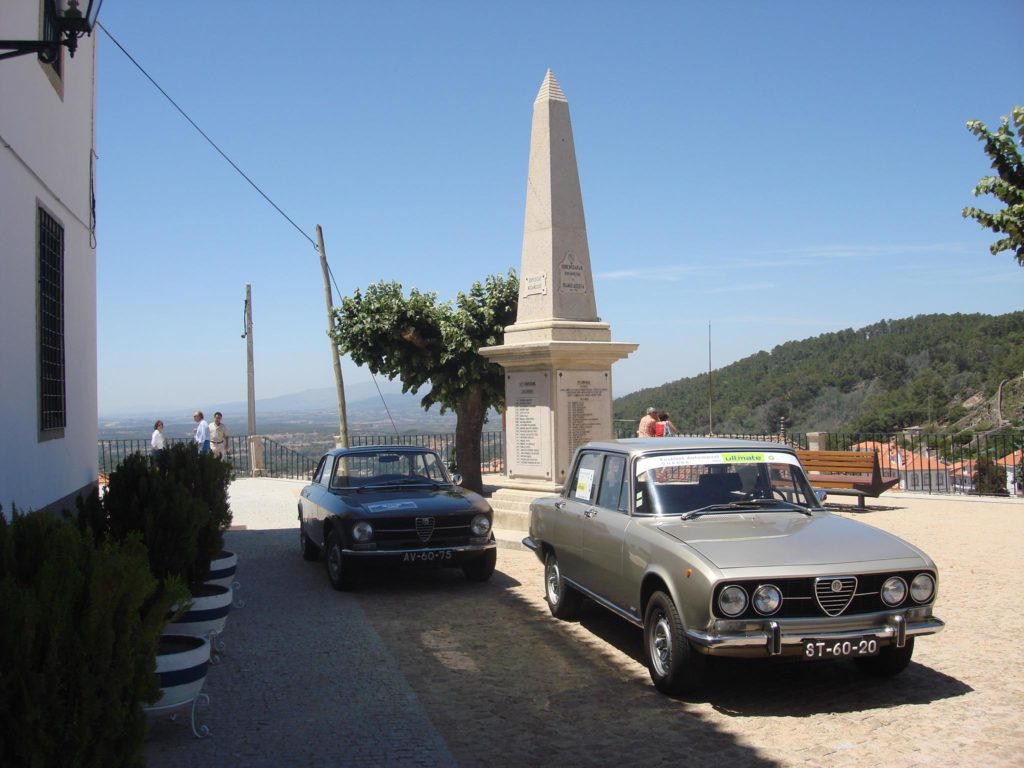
column 665, row 427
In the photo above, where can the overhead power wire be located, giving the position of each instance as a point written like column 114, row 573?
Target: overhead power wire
column 202, row 133
column 245, row 176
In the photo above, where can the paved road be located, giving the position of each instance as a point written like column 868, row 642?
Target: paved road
column 429, row 669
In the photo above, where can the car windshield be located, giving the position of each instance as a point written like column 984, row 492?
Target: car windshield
column 694, row 484
column 389, row 467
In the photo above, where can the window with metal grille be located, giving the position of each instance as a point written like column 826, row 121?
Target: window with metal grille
column 52, row 409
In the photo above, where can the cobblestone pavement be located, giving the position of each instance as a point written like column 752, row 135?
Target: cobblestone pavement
column 427, row 668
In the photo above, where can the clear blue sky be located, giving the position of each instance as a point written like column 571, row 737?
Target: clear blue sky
column 778, row 169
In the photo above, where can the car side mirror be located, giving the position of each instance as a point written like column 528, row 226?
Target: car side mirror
column 457, row 478
column 820, row 493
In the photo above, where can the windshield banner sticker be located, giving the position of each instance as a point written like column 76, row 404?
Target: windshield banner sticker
column 732, row 457
column 388, row 506
column 584, row 484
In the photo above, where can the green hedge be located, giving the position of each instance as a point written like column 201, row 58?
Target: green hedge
column 78, row 639
column 179, row 507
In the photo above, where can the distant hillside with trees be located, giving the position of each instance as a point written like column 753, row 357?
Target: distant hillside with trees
column 945, row 373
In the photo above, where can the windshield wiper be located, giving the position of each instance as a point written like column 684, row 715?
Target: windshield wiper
column 742, row 506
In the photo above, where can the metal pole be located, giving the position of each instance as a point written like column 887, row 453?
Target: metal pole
column 710, row 430
column 249, row 365
column 335, row 358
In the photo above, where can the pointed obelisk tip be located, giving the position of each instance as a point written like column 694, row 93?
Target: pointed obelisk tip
column 550, row 90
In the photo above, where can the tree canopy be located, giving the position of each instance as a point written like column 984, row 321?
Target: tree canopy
column 879, row 378
column 1007, row 185
column 421, row 340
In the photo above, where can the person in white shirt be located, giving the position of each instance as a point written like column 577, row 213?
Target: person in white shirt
column 218, row 437
column 156, row 442
column 202, row 432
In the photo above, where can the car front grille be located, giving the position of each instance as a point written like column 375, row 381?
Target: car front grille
column 817, row 597
column 422, row 532
column 834, row 594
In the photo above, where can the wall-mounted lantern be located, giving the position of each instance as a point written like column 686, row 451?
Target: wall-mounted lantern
column 63, row 24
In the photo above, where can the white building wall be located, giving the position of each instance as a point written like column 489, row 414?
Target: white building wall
column 46, row 144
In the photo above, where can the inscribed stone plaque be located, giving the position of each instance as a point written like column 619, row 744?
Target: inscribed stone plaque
column 584, row 408
column 528, row 395
column 573, row 275
column 535, row 285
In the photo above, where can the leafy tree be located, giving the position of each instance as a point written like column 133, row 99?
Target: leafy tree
column 989, row 477
column 420, row 340
column 1007, row 185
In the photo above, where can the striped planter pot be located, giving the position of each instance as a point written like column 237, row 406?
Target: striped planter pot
column 222, row 569
column 181, row 665
column 207, row 614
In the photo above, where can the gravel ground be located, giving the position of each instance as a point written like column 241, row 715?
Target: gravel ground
column 425, row 668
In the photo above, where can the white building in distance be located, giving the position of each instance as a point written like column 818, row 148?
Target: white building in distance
column 48, row 419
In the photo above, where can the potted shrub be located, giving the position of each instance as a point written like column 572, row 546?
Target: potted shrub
column 206, row 477
column 149, row 502
column 80, row 624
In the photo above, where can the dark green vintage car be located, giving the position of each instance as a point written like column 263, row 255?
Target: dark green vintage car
column 392, row 506
column 722, row 547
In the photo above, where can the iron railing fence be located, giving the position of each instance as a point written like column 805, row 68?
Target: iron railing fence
column 929, row 463
column 280, row 460
column 492, row 446
column 941, row 463
column 625, row 428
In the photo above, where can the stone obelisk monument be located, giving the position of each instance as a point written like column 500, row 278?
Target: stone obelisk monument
column 558, row 354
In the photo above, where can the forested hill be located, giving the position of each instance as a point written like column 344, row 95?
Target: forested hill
column 941, row 372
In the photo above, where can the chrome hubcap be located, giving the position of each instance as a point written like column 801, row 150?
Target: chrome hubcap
column 553, row 581
column 661, row 645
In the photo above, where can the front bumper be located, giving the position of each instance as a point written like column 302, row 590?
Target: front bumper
column 460, row 552
column 786, row 637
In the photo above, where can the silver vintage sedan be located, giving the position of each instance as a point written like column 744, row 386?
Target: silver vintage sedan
column 721, row 547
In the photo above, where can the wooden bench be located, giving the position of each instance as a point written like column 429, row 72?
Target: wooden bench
column 850, row 473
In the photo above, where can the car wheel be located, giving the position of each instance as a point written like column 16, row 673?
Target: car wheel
column 481, row 568
column 310, row 551
column 674, row 666
column 563, row 600
column 889, row 661
column 341, row 571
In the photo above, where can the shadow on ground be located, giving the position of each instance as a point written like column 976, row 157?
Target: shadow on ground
column 788, row 687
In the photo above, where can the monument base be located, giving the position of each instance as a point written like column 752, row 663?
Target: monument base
column 511, row 502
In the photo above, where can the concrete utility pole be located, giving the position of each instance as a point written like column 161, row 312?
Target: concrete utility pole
column 342, row 441
column 711, row 430
column 249, row 365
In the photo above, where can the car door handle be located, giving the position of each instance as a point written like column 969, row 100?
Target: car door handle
column 590, row 513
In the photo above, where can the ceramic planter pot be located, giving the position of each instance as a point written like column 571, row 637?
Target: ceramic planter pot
column 207, row 614
column 222, row 569
column 181, row 665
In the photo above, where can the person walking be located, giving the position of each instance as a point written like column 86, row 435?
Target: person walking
column 219, row 437
column 157, row 442
column 202, row 432
column 646, row 428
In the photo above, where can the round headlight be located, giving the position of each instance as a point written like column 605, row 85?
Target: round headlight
column 894, row 591
column 362, row 532
column 732, row 601
column 481, row 525
column 922, row 588
column 767, row 599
